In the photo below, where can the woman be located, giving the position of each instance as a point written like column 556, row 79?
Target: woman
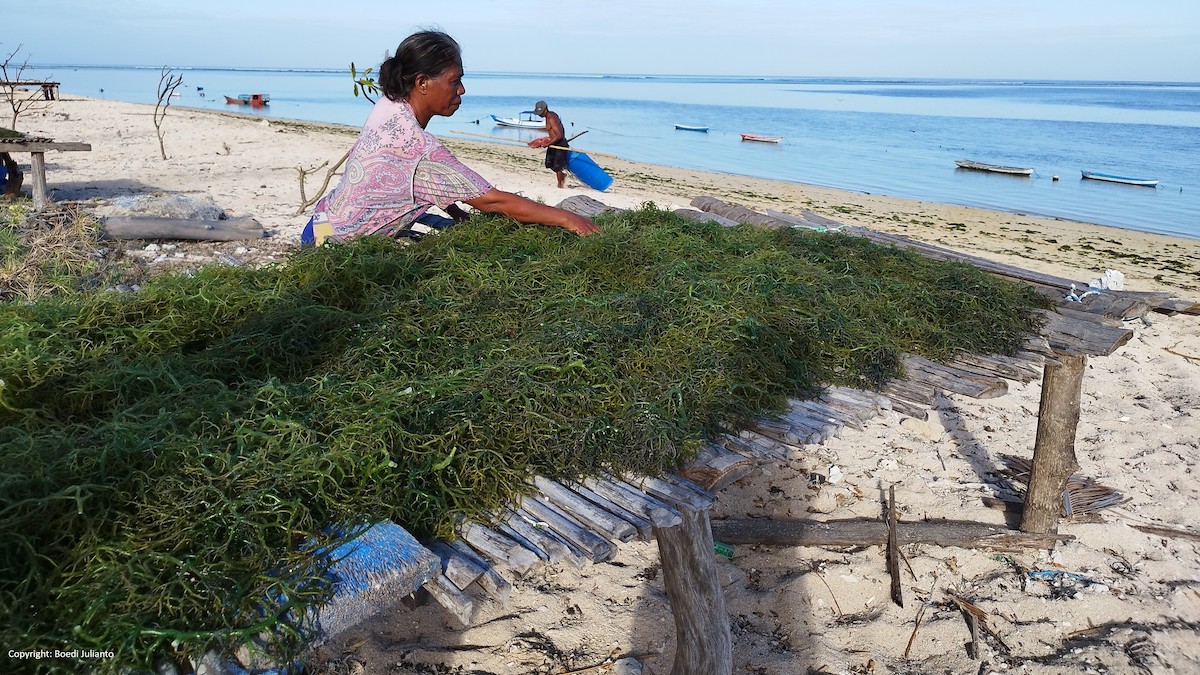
column 397, row 170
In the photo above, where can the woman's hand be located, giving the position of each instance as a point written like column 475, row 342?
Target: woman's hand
column 528, row 211
column 580, row 225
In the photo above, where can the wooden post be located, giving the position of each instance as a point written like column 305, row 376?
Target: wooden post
column 1054, row 450
column 702, row 640
column 38, row 171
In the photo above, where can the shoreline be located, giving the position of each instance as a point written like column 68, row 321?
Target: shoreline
column 249, row 164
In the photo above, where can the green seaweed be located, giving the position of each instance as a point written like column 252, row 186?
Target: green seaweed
column 174, row 457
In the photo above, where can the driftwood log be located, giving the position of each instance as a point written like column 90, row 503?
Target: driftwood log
column 148, row 227
column 842, row 533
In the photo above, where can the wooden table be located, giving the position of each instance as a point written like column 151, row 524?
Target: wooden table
column 37, row 149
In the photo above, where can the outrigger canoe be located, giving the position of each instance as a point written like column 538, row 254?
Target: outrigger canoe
column 761, row 139
column 526, row 120
column 994, row 168
column 1144, row 182
column 690, row 127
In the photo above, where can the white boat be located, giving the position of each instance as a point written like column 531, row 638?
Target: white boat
column 526, row 120
column 994, row 168
column 1145, row 182
column 691, row 127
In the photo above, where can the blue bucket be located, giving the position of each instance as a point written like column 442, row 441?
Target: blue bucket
column 588, row 171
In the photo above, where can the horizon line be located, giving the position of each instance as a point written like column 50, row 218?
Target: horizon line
column 874, row 78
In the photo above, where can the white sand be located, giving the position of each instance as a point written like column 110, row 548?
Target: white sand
column 795, row 610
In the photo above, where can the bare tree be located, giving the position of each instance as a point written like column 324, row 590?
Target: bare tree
column 167, row 84
column 20, row 99
column 364, row 84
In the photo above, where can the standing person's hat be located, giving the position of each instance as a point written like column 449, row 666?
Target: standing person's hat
column 539, row 108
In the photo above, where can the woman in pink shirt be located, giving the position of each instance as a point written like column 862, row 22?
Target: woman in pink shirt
column 397, row 170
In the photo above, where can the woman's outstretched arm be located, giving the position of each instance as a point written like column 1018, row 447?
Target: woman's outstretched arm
column 528, row 211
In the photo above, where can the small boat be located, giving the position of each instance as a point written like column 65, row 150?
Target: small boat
column 249, row 99
column 1145, row 182
column 761, row 139
column 994, row 168
column 690, row 127
column 526, row 120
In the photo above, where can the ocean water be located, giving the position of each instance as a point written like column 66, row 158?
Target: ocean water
column 885, row 136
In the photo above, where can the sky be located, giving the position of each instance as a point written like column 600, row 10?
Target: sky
column 994, row 39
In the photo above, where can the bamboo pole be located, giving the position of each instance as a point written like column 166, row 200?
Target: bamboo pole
column 512, row 140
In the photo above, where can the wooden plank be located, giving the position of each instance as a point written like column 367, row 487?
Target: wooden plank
column 677, row 496
column 953, row 379
column 716, row 468
column 499, row 547
column 912, row 390
column 645, row 528
column 459, row 604
column 1071, row 335
column 148, row 227
column 555, row 549
column 18, row 145
column 576, row 555
column 567, row 527
column 911, row 409
column 586, row 206
column 458, row 568
column 737, row 213
column 1122, row 305
column 828, row 412
column 491, row 581
column 997, row 365
column 701, row 216
column 378, row 567
column 840, row 533
column 588, row 512
column 635, row 501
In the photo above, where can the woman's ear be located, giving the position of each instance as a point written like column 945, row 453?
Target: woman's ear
column 421, row 83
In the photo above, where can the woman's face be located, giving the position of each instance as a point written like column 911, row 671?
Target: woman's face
column 444, row 92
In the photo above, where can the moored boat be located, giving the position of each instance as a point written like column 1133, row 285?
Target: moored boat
column 526, row 120
column 690, row 127
column 761, row 139
column 1144, row 182
column 249, row 99
column 994, row 168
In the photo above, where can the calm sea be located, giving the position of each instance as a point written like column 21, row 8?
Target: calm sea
column 882, row 136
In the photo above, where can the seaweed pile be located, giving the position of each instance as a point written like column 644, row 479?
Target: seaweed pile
column 174, row 457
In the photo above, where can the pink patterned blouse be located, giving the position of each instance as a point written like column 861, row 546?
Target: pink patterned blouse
column 395, row 172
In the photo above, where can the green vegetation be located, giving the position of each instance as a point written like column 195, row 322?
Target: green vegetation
column 173, row 457
column 50, row 252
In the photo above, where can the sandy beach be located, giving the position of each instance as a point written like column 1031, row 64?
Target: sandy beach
column 1114, row 599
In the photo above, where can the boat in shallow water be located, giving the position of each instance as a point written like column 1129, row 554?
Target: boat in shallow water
column 994, row 168
column 1144, row 182
column 249, row 99
column 761, row 139
column 691, row 127
column 526, row 120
